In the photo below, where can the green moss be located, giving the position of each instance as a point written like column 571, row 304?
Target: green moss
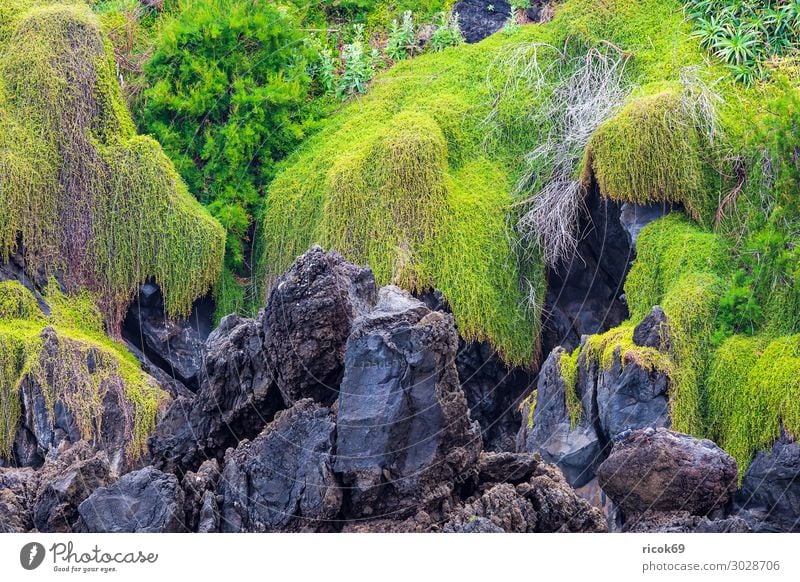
column 16, row 302
column 84, row 195
column 650, row 152
column 568, row 366
column 81, row 369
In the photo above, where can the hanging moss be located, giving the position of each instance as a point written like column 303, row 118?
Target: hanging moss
column 69, row 357
column 568, row 366
column 16, row 302
column 84, row 195
column 650, row 152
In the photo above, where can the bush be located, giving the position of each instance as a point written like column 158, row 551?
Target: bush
column 227, row 86
column 447, row 33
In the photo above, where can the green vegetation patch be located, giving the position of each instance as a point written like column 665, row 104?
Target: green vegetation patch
column 70, row 358
column 81, row 194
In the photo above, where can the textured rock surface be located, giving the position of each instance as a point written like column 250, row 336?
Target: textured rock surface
column 477, row 20
column 558, row 507
column 660, row 470
column 684, row 522
column 146, row 501
column 770, row 490
column 404, row 430
column 578, row 450
column 173, row 345
column 17, row 492
column 200, row 499
column 236, row 399
column 502, row 506
column 65, row 481
column 308, row 318
column 283, row 480
column 634, row 217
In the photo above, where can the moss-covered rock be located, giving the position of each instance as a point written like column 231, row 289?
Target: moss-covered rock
column 81, row 194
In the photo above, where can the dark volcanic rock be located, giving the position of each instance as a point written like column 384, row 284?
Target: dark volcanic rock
column 404, row 430
column 477, row 525
column 65, row 481
column 577, row 451
column 770, row 490
column 17, row 492
column 236, row 400
column 173, row 345
column 146, row 501
column 506, row 467
column 558, row 507
column 502, row 506
column 200, row 500
column 477, row 20
column 660, row 470
column 282, row 480
column 634, row 217
column 309, row 315
column 683, row 522
column 653, row 331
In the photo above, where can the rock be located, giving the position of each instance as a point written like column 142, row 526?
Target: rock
column 477, row 525
column 404, row 432
column 631, row 396
column 661, row 470
column 493, row 391
column 653, row 331
column 45, row 429
column 283, row 480
column 502, row 507
column 421, row 522
column 200, row 502
column 684, row 522
column 236, row 399
column 481, row 18
column 584, row 291
column 146, row 501
column 173, row 345
column 770, row 489
column 506, row 467
column 558, row 507
column 578, row 450
column 66, row 480
column 634, row 217
column 17, row 492
column 308, row 318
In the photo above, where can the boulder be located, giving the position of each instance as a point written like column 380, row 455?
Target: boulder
column 770, row 490
column 200, row 500
column 17, row 492
column 65, row 481
column 683, row 522
column 283, row 480
column 404, row 431
column 481, row 18
column 173, row 345
column 501, row 506
column 309, row 315
column 653, row 331
column 506, row 467
column 578, row 450
column 237, row 398
column 661, row 470
column 146, row 500
column 477, row 525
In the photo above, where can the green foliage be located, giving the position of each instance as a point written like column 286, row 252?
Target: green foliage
column 568, row 366
column 83, row 194
column 746, row 34
column 227, row 85
column 83, row 368
column 520, row 4
column 651, row 152
column 357, row 67
column 447, row 33
column 400, row 44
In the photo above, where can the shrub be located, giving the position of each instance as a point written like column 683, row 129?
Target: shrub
column 447, row 33
column 401, row 42
column 227, row 87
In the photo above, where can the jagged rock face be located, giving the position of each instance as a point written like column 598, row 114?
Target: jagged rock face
column 283, row 479
column 770, row 490
column 43, row 430
column 660, row 470
column 175, row 346
column 17, row 492
column 584, row 293
column 502, row 506
column 626, row 396
column 559, row 508
column 65, row 481
column 200, row 500
column 236, row 399
column 404, row 430
column 309, row 315
column 146, row 501
column 576, row 450
column 684, row 522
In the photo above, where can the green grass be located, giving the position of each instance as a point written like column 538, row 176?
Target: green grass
column 85, row 366
column 86, row 196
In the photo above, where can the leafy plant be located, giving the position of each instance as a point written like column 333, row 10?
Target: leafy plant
column 520, row 5
column 400, row 44
column 358, row 66
column 447, row 33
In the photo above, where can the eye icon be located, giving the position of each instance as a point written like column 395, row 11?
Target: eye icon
column 31, row 555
